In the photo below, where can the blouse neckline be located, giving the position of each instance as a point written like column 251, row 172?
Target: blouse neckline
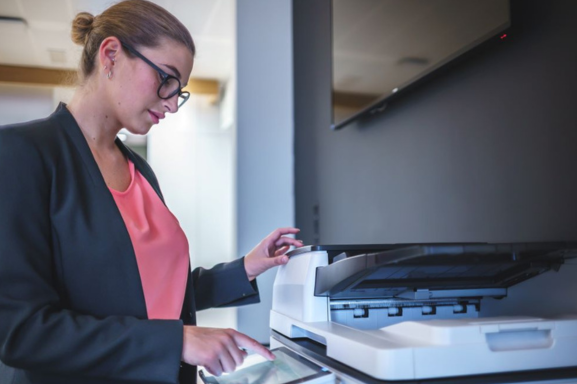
column 131, row 169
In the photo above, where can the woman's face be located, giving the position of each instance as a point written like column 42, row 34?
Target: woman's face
column 135, row 91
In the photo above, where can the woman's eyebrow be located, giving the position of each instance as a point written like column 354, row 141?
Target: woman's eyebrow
column 173, row 69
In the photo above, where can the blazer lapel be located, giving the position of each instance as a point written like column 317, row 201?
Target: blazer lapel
column 115, row 223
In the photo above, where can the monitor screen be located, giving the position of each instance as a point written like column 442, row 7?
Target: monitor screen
column 383, row 47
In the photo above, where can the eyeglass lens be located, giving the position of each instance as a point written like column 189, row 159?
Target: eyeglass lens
column 182, row 98
column 169, row 87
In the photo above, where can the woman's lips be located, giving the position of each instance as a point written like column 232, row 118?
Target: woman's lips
column 155, row 117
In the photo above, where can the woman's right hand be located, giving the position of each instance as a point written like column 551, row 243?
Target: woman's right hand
column 218, row 350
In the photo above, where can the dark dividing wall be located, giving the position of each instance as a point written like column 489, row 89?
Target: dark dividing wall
column 487, row 151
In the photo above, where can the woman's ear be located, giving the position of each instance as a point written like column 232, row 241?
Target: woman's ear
column 110, row 49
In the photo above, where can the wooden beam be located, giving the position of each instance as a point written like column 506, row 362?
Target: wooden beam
column 66, row 78
column 36, row 76
column 202, row 86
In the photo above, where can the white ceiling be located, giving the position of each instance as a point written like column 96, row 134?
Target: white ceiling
column 45, row 40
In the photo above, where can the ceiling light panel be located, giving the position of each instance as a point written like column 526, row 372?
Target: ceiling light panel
column 195, row 14
column 14, row 45
column 48, row 11
column 10, row 8
column 57, row 56
column 95, row 7
column 47, row 41
column 222, row 23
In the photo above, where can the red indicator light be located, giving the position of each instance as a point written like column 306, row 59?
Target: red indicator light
column 503, row 36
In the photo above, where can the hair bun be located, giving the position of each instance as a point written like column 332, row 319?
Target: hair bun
column 81, row 27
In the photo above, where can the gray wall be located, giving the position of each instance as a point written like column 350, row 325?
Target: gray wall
column 264, row 139
column 485, row 152
column 20, row 103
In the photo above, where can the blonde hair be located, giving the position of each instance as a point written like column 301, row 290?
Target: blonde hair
column 134, row 22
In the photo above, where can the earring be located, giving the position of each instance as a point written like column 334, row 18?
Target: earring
column 109, row 75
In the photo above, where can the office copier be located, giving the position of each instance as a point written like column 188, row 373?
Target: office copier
column 410, row 313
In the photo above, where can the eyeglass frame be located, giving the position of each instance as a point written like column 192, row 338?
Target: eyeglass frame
column 165, row 76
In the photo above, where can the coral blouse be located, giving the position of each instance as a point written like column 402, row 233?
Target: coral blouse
column 160, row 246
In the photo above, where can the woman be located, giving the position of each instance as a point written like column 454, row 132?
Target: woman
column 95, row 283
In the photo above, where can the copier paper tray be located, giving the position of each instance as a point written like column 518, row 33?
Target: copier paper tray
column 411, row 311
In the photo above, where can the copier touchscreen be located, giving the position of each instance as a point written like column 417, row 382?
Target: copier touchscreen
column 287, row 368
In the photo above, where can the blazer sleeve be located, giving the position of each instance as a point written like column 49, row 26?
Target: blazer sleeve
column 36, row 332
column 224, row 285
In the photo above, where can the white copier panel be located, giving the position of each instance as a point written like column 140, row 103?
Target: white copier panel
column 405, row 312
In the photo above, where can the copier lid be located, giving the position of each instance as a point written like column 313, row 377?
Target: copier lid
column 387, row 271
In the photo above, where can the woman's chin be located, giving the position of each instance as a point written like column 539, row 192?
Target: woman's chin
column 142, row 130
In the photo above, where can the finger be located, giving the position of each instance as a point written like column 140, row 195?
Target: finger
column 282, row 251
column 280, row 260
column 214, row 369
column 284, row 231
column 272, row 262
column 231, row 356
column 244, row 341
column 288, row 240
column 238, row 355
column 227, row 361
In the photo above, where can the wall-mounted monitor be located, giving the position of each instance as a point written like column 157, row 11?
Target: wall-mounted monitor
column 382, row 48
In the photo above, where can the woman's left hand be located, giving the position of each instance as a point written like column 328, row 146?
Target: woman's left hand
column 270, row 252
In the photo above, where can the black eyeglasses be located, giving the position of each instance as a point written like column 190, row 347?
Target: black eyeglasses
column 169, row 85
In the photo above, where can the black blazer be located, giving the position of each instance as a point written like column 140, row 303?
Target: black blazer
column 72, row 307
